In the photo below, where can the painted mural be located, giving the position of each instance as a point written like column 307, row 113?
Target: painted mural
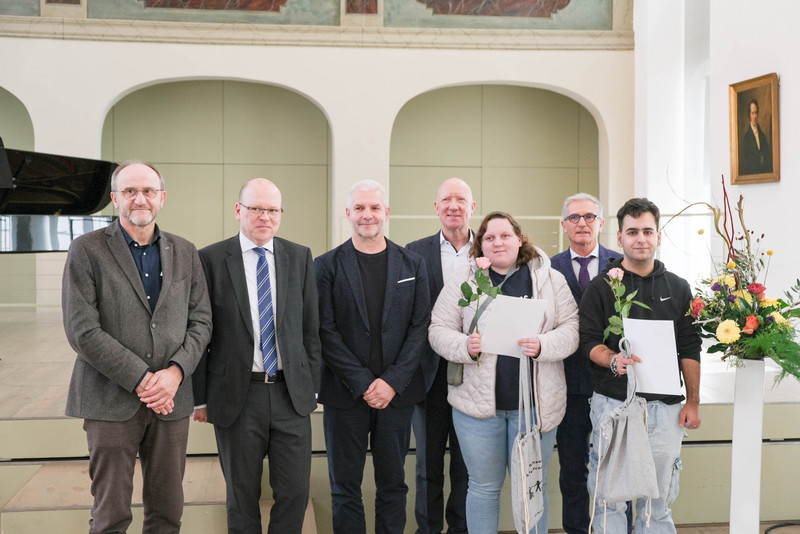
column 499, row 14
column 300, row 12
column 366, row 7
column 230, row 5
column 496, row 8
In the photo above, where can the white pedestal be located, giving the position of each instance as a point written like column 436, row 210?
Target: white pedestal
column 748, row 416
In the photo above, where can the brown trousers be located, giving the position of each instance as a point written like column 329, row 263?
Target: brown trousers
column 113, row 446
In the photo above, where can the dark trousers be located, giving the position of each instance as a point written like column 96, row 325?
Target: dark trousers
column 572, row 441
column 433, row 426
column 348, row 432
column 113, row 446
column 267, row 427
column 572, row 438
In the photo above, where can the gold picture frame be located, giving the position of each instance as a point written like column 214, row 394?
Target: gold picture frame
column 754, row 121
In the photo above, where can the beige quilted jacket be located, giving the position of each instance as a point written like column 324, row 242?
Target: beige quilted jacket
column 558, row 336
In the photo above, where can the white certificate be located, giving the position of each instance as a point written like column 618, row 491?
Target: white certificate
column 508, row 320
column 654, row 342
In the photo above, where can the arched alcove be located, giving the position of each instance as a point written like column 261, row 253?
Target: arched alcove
column 521, row 149
column 210, row 136
column 18, row 285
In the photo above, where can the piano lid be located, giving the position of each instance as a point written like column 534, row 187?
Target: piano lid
column 48, row 184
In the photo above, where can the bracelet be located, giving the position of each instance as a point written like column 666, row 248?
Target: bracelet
column 613, row 364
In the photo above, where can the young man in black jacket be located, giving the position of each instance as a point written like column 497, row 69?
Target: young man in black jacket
column 668, row 297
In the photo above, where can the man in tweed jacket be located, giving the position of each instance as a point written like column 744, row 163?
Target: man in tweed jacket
column 137, row 313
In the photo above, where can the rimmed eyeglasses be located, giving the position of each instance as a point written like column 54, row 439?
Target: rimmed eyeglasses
column 574, row 218
column 272, row 212
column 129, row 193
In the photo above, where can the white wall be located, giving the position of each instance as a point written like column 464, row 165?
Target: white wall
column 68, row 86
column 748, row 40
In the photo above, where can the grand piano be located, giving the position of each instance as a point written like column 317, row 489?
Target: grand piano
column 47, row 200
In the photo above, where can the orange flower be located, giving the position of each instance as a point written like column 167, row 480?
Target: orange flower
column 697, row 307
column 750, row 324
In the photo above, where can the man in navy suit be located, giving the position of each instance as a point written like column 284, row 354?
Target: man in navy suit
column 582, row 220
column 444, row 252
column 374, row 307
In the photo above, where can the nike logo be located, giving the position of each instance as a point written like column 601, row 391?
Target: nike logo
column 664, row 298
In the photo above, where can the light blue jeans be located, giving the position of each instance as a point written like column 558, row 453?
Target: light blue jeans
column 665, row 443
column 486, row 447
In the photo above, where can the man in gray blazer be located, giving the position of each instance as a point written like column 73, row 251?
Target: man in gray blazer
column 136, row 311
column 374, row 312
column 257, row 383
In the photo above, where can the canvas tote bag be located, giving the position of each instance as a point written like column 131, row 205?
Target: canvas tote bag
column 625, row 467
column 527, row 494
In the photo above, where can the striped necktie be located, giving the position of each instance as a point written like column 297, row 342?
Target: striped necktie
column 266, row 316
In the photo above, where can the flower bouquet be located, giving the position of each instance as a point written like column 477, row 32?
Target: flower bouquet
column 732, row 306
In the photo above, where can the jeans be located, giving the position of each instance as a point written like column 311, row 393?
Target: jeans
column 665, row 443
column 486, row 446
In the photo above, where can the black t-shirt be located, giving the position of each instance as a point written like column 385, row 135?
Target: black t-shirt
column 506, row 386
column 373, row 279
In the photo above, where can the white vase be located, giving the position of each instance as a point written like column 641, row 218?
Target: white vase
column 748, row 417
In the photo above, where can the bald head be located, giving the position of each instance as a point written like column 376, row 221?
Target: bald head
column 454, row 206
column 259, row 210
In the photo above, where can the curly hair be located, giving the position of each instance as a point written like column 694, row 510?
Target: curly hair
column 526, row 250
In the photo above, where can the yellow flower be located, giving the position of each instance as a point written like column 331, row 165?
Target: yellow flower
column 769, row 303
column 731, row 265
column 770, row 252
column 725, row 280
column 779, row 319
column 728, row 331
column 744, row 295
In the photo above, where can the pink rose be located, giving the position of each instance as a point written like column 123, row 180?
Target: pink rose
column 483, row 262
column 616, row 274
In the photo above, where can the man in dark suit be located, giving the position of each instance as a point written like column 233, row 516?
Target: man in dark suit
column 136, row 311
column 444, row 252
column 755, row 157
column 258, row 381
column 375, row 308
column 582, row 220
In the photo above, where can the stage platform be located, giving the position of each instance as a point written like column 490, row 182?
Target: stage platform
column 44, row 475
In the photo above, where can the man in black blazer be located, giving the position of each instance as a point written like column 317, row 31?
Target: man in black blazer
column 257, row 411
column 444, row 252
column 582, row 220
column 375, row 308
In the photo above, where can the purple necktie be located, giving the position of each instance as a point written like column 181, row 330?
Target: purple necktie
column 583, row 274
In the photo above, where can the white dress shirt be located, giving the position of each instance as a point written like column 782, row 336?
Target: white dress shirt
column 452, row 259
column 250, row 258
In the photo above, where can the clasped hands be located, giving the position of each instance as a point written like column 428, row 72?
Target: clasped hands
column 379, row 394
column 532, row 345
column 157, row 390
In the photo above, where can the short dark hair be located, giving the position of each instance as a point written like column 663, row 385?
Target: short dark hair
column 753, row 101
column 526, row 250
column 635, row 207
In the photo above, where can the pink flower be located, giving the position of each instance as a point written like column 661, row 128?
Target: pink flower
column 483, row 262
column 616, row 274
column 756, row 289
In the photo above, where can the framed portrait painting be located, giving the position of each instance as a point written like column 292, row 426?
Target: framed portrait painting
column 755, row 136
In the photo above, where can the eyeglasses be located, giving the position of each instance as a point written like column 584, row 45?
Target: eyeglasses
column 129, row 193
column 588, row 217
column 272, row 212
